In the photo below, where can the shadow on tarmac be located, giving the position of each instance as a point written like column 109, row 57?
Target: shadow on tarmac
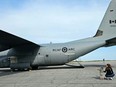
column 60, row 67
column 5, row 72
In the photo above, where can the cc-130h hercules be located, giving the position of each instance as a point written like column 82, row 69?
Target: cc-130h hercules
column 18, row 53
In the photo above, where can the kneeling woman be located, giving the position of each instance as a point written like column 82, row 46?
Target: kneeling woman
column 109, row 72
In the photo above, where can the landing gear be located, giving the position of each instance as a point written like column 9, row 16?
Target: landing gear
column 25, row 69
column 21, row 69
column 34, row 67
column 12, row 69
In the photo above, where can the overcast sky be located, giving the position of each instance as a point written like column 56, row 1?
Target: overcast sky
column 57, row 21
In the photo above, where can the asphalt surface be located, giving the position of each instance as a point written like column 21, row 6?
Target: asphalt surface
column 58, row 76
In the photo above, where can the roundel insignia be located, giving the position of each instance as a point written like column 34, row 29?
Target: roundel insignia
column 64, row 49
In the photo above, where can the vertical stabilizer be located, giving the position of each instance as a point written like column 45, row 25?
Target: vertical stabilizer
column 107, row 28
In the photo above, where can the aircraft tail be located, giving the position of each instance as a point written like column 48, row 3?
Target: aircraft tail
column 107, row 28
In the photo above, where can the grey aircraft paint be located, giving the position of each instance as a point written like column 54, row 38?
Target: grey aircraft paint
column 18, row 53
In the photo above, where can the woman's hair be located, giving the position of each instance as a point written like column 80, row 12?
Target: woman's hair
column 109, row 66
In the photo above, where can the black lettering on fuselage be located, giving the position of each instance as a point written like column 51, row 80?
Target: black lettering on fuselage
column 63, row 49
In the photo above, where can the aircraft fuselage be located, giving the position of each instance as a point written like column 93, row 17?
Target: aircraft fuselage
column 48, row 54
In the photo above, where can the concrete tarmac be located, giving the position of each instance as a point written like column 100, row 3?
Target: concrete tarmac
column 58, row 76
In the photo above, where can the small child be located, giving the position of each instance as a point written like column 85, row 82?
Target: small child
column 101, row 73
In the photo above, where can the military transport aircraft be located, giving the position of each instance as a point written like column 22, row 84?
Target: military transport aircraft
column 18, row 53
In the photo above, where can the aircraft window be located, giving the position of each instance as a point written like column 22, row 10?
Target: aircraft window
column 111, row 10
column 46, row 55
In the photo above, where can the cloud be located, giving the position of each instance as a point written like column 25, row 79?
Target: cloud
column 45, row 21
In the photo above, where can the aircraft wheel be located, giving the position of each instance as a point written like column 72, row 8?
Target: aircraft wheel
column 12, row 69
column 34, row 67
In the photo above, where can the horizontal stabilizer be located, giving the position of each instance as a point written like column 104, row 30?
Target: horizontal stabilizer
column 8, row 41
column 111, row 42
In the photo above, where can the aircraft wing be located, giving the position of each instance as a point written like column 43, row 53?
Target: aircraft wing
column 8, row 41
